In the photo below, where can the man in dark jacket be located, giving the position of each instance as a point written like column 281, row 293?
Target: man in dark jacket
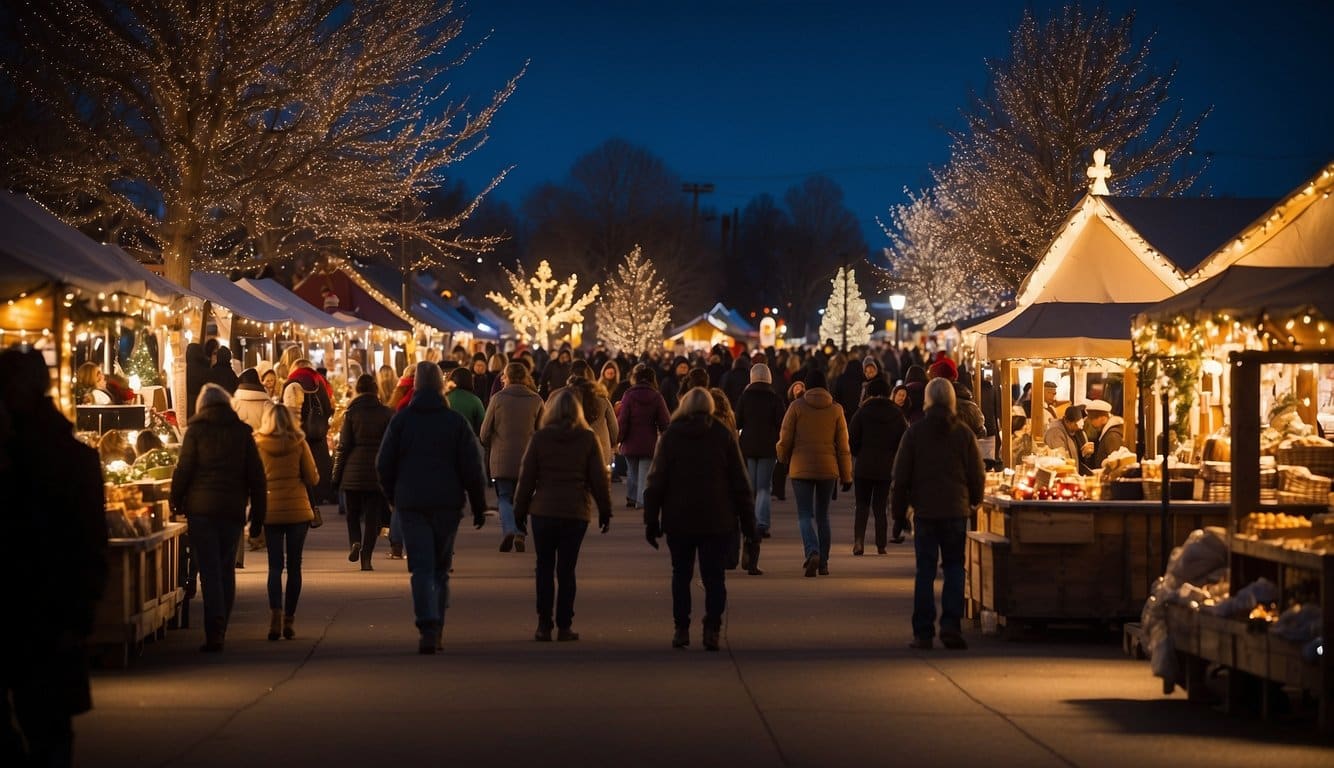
column 938, row 472
column 847, row 388
column 54, row 572
column 735, row 381
column 221, row 372
column 197, row 364
column 555, row 374
column 698, row 495
column 759, row 418
column 672, row 383
column 364, row 425
column 218, row 472
column 873, row 435
column 428, row 462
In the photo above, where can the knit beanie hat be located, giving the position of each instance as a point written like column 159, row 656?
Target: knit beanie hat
column 944, row 369
column 760, row 372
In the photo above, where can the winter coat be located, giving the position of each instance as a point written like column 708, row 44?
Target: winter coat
column 1109, row 440
column 511, row 419
column 317, row 407
column 848, row 389
column 251, row 403
column 736, row 380
column 289, row 469
column 606, row 428
column 1057, row 436
column 697, row 485
column 968, row 411
column 874, row 435
column 430, row 458
column 813, row 440
column 364, row 424
column 643, row 415
column 563, row 476
column 554, row 376
column 221, row 372
column 469, row 406
column 916, row 401
column 219, row 470
column 938, row 469
column 759, row 417
column 196, row 375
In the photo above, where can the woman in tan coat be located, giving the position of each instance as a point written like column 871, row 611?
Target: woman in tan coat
column 289, row 469
column 813, row 442
column 512, row 417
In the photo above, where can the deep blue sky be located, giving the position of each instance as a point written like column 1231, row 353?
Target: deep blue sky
column 754, row 96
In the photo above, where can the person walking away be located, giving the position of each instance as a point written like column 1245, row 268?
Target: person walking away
column 873, row 435
column 250, row 401
column 218, row 472
column 364, row 425
column 316, row 410
column 611, row 381
column 289, row 471
column 813, row 440
column 914, row 380
column 55, row 572
column 759, row 418
column 736, row 380
column 794, row 392
column 463, row 400
column 642, row 418
column 221, row 372
column 698, row 495
column 938, row 472
column 847, row 390
column 428, row 463
column 562, row 478
column 511, row 419
column 598, row 414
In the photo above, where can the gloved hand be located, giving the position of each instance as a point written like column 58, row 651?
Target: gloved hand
column 651, row 534
column 478, row 519
column 846, row 487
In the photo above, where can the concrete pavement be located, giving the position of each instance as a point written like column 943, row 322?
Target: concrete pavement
column 813, row 672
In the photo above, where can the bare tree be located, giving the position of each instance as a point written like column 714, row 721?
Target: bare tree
column 291, row 122
column 824, row 234
column 1075, row 83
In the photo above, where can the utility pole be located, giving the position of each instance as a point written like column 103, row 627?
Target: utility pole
column 695, row 189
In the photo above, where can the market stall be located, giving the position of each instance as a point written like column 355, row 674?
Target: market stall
column 720, row 325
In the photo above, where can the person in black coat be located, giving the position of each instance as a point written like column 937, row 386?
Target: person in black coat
column 54, row 572
column 847, row 388
column 873, row 435
column 697, row 495
column 221, row 372
column 759, row 418
column 364, row 425
column 197, row 366
column 734, row 381
column 555, row 374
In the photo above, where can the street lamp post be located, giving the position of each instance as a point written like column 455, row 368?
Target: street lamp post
column 896, row 302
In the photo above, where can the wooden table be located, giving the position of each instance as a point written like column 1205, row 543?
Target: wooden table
column 143, row 594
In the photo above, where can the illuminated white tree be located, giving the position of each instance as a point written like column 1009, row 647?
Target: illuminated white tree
column 540, row 307
column 845, row 319
column 214, row 130
column 634, row 309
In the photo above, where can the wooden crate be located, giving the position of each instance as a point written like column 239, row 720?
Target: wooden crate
column 142, row 596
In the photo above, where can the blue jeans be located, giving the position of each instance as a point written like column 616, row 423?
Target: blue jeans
column 938, row 541
column 761, row 473
column 556, row 540
column 213, row 543
column 428, row 536
column 285, row 539
column 812, row 497
column 505, row 504
column 712, row 553
column 637, row 477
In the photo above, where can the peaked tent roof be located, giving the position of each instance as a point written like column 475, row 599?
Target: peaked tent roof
column 720, row 317
column 1061, row 329
column 223, row 292
column 1188, row 229
column 424, row 306
column 353, row 298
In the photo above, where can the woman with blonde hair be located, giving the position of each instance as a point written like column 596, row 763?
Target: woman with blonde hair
column 386, row 380
column 698, row 495
column 90, row 383
column 289, row 471
column 562, row 479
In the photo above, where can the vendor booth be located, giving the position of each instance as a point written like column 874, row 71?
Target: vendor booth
column 719, row 325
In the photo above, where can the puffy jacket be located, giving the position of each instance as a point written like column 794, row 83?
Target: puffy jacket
column 759, row 417
column 219, row 470
column 430, row 459
column 250, row 403
column 563, row 475
column 969, row 412
column 643, row 416
column 511, row 419
column 938, row 469
column 364, row 424
column 697, row 485
column 813, row 441
column 873, row 436
column 289, row 469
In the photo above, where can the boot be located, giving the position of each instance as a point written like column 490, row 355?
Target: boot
column 745, row 555
column 543, row 633
column 752, row 554
column 681, row 638
column 426, row 643
column 288, row 632
column 275, row 623
column 518, row 542
column 711, row 638
column 858, row 545
column 214, row 633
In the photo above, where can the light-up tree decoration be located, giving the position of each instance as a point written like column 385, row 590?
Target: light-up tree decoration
column 634, row 310
column 845, row 318
column 540, row 306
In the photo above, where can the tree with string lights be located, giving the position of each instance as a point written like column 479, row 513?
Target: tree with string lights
column 540, row 307
column 1076, row 82
column 939, row 284
column 214, row 130
column 845, row 318
column 634, row 310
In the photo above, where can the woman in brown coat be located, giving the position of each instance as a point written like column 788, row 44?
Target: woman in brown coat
column 289, row 469
column 813, row 442
column 512, row 417
column 562, row 478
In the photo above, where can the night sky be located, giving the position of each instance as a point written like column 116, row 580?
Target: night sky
column 754, row 96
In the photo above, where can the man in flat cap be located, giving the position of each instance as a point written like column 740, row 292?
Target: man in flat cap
column 1110, row 431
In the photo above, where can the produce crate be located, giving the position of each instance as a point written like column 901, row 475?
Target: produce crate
column 143, row 594
column 1317, row 458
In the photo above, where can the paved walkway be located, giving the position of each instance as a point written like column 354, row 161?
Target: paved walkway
column 813, row 672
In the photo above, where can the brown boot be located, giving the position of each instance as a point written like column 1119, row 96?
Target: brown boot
column 214, row 632
column 288, row 632
column 275, row 623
